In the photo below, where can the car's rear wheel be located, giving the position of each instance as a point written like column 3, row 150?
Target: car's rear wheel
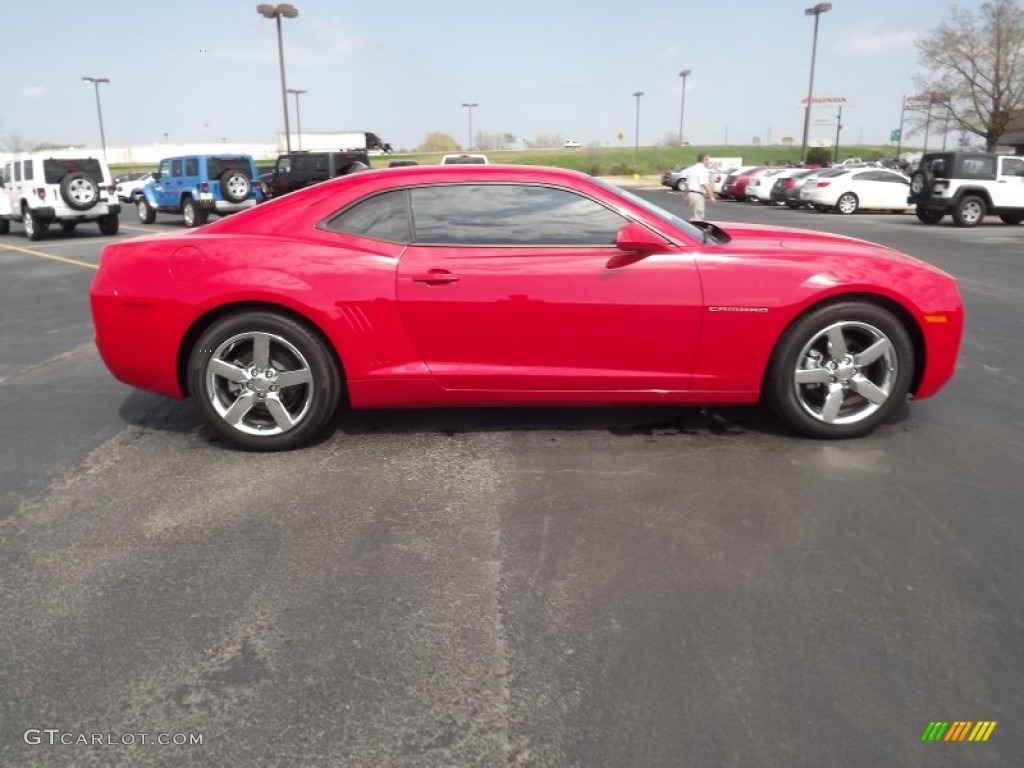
column 264, row 381
column 928, row 215
column 840, row 370
column 79, row 191
column 34, row 228
column 109, row 224
column 145, row 211
column 847, row 203
column 1011, row 218
column 194, row 215
column 969, row 211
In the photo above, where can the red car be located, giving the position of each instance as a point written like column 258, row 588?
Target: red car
column 736, row 184
column 489, row 285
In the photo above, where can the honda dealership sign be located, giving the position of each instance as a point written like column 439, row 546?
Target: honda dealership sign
column 827, row 101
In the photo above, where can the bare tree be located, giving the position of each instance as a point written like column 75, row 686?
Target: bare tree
column 13, row 141
column 977, row 59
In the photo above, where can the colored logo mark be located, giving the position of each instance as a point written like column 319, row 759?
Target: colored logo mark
column 959, row 730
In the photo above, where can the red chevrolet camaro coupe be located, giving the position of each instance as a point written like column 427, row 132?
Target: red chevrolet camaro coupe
column 493, row 285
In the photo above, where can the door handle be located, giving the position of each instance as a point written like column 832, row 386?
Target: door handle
column 435, row 277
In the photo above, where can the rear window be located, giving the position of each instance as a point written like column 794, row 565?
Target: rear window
column 215, row 166
column 55, row 170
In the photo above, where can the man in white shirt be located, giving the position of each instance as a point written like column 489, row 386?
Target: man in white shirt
column 698, row 187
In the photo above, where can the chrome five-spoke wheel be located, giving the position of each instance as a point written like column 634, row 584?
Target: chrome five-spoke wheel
column 841, row 370
column 264, row 381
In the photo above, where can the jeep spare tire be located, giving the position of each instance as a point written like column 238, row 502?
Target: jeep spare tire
column 79, row 191
column 921, row 185
column 234, row 186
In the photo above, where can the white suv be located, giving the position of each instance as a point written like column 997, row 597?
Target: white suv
column 968, row 185
column 39, row 189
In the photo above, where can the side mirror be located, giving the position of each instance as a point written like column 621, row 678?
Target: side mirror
column 635, row 242
column 156, row 175
column 638, row 239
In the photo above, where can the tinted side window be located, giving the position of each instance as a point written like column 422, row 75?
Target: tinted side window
column 979, row 167
column 29, row 174
column 381, row 217
column 17, row 171
column 192, row 166
column 1013, row 166
column 176, row 167
column 510, row 214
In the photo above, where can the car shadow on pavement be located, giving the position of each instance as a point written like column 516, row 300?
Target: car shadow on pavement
column 157, row 413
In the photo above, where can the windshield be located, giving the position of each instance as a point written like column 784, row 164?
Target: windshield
column 682, row 225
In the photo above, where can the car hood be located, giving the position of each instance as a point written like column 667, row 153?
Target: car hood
column 766, row 240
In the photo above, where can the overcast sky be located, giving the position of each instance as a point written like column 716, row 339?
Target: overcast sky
column 208, row 69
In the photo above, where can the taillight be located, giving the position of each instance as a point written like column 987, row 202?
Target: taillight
column 790, row 184
column 204, row 186
column 824, row 183
column 41, row 193
column 111, row 189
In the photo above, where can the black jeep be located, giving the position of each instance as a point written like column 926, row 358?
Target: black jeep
column 295, row 170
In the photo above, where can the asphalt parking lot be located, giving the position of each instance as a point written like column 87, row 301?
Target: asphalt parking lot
column 539, row 587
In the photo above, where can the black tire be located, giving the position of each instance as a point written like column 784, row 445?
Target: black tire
column 242, row 397
column 840, row 370
column 79, row 191
column 921, row 185
column 5, row 226
column 145, row 212
column 969, row 211
column 34, row 228
column 928, row 215
column 109, row 224
column 235, row 186
column 68, row 226
column 847, row 203
column 1011, row 218
column 195, row 216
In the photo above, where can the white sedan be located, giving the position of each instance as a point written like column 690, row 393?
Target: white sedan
column 130, row 185
column 856, row 189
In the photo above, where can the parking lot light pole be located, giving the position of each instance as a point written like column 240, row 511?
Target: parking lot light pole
column 298, row 114
column 469, row 106
column 682, row 106
column 816, row 12
column 96, row 84
column 288, row 11
column 636, row 137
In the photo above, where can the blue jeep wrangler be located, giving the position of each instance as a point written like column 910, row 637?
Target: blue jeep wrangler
column 195, row 186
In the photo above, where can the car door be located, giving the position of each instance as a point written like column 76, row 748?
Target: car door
column 160, row 185
column 1011, row 182
column 508, row 287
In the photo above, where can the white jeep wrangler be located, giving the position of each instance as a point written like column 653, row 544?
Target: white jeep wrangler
column 968, row 185
column 39, row 189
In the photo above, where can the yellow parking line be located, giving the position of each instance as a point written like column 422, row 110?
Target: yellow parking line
column 42, row 255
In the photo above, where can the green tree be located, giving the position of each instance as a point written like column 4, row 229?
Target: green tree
column 975, row 63
column 439, row 142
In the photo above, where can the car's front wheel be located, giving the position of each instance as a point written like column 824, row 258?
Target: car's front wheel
column 34, row 228
column 264, row 381
column 145, row 211
column 841, row 370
